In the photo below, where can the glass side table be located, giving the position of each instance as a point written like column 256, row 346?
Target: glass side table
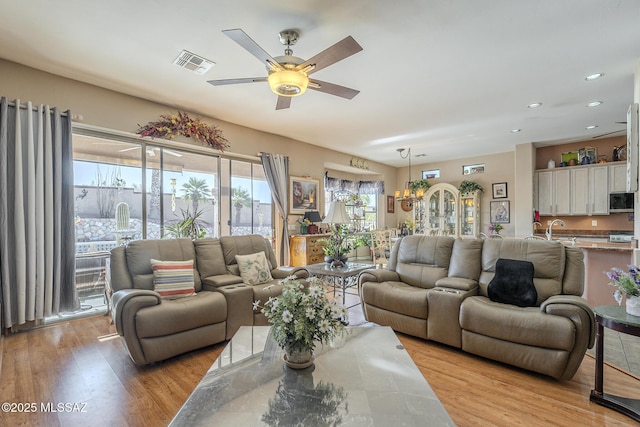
column 617, row 319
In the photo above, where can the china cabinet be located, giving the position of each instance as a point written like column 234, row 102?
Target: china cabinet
column 441, row 210
column 470, row 214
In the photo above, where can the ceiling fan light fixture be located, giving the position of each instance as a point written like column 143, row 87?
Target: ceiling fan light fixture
column 288, row 82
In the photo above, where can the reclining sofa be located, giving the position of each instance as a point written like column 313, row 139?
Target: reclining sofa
column 438, row 288
column 154, row 328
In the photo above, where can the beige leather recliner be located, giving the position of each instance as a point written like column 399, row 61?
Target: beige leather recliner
column 436, row 289
column 154, row 329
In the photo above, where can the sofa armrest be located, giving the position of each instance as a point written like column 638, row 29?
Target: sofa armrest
column 457, row 283
column 575, row 308
column 374, row 275
column 284, row 272
column 212, row 283
column 126, row 303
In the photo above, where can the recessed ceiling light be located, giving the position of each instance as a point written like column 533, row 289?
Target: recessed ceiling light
column 595, row 76
column 594, row 103
column 591, row 127
column 516, row 130
column 534, row 105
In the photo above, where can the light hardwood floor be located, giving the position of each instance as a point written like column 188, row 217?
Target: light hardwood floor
column 69, row 363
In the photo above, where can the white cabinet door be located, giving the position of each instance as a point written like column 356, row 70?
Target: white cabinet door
column 599, row 185
column 580, row 194
column 618, row 178
column 545, row 193
column 562, row 192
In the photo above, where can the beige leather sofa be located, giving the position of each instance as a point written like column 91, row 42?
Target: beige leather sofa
column 436, row 289
column 155, row 329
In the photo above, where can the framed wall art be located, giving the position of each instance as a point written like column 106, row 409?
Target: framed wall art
column 391, row 204
column 303, row 195
column 500, row 212
column 499, row 190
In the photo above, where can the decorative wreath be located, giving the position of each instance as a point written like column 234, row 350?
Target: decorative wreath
column 181, row 124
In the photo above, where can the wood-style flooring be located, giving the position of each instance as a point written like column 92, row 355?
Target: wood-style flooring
column 81, row 363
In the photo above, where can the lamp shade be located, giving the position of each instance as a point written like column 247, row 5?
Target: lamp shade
column 337, row 214
column 313, row 216
column 288, row 82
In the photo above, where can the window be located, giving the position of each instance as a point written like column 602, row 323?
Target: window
column 127, row 189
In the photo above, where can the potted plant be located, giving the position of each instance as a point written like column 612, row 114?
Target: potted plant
column 468, row 186
column 301, row 317
column 419, row 184
column 337, row 245
column 495, row 228
column 628, row 285
column 189, row 226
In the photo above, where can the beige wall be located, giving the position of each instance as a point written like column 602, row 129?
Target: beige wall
column 498, row 168
column 116, row 111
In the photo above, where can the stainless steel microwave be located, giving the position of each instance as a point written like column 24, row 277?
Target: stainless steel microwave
column 621, row 202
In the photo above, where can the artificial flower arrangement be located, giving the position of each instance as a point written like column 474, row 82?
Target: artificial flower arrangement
column 302, row 316
column 627, row 283
column 495, row 228
column 181, row 124
column 468, row 186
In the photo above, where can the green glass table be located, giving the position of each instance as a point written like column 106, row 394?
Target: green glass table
column 617, row 319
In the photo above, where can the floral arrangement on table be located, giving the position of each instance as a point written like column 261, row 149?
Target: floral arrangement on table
column 628, row 283
column 495, row 228
column 468, row 186
column 338, row 244
column 304, row 223
column 172, row 125
column 302, row 316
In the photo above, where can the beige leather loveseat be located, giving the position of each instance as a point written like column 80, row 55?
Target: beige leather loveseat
column 155, row 328
column 436, row 288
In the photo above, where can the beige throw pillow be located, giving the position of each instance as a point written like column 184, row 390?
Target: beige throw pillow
column 254, row 268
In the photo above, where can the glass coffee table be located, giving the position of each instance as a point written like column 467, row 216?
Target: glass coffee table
column 340, row 277
column 369, row 380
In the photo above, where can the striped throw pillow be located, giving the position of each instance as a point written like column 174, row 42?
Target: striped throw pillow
column 173, row 279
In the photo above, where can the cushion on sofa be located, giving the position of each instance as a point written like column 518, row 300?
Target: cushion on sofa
column 513, row 283
column 138, row 253
column 173, row 279
column 254, row 268
column 466, row 258
column 245, row 245
column 548, row 259
column 209, row 257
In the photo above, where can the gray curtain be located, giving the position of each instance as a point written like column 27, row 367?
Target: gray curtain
column 37, row 236
column 276, row 169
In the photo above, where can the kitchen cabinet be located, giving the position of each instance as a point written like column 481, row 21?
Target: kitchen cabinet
column 306, row 249
column 590, row 191
column 554, row 192
column 579, row 190
column 618, row 178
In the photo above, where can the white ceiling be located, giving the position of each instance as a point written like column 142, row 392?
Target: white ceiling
column 449, row 78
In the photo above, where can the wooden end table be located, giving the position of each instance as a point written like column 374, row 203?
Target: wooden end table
column 617, row 319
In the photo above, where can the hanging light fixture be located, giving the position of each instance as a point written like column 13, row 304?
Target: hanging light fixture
column 406, row 196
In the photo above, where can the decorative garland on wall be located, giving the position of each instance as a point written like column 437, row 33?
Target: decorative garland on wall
column 181, row 124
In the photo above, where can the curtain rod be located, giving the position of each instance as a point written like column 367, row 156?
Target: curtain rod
column 74, row 117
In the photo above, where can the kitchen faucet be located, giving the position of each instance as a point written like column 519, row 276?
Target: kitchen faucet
column 549, row 231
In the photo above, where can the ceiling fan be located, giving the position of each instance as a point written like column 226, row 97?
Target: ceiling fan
column 289, row 75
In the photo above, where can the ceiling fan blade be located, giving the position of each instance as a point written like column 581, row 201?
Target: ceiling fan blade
column 339, row 51
column 283, row 102
column 236, row 81
column 610, row 133
column 332, row 89
column 240, row 37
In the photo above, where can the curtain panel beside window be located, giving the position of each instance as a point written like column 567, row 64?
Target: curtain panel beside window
column 37, row 236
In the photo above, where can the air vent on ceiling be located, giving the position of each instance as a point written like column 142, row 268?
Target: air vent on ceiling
column 193, row 62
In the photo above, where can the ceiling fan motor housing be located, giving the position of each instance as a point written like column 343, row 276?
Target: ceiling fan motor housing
column 288, row 81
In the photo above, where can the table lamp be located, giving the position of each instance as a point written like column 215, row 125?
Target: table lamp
column 312, row 216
